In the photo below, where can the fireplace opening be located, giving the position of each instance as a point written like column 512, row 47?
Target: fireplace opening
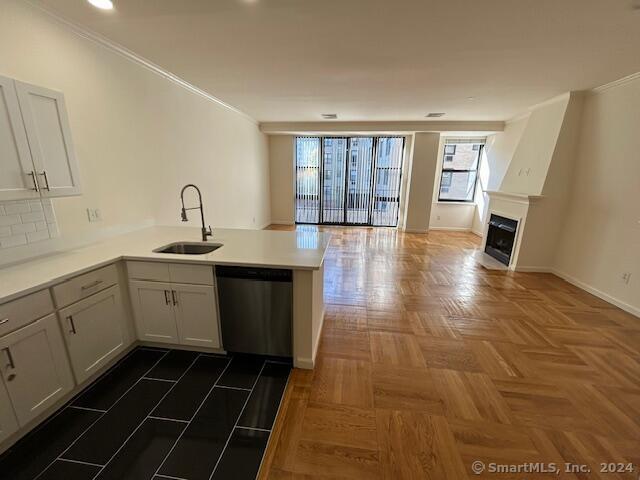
column 500, row 238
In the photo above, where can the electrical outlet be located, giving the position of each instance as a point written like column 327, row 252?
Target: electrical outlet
column 94, row 215
column 626, row 276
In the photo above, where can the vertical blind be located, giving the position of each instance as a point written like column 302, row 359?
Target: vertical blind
column 348, row 180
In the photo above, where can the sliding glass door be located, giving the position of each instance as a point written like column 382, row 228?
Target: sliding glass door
column 348, row 180
column 307, row 180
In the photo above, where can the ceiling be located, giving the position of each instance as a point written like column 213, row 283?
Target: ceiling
column 383, row 60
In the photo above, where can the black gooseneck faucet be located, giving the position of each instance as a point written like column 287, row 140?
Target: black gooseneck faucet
column 205, row 233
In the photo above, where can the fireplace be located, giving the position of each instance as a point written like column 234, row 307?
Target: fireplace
column 501, row 237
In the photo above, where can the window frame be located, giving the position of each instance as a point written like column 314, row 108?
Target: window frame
column 443, row 169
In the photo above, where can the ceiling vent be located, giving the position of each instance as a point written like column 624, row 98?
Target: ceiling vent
column 329, row 116
column 434, row 114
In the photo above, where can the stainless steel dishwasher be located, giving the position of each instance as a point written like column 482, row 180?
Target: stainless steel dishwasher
column 256, row 310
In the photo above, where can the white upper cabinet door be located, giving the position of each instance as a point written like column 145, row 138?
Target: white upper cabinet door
column 17, row 176
column 8, row 422
column 153, row 311
column 35, row 368
column 45, row 120
column 196, row 315
column 95, row 331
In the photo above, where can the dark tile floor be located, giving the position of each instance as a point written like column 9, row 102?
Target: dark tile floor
column 159, row 414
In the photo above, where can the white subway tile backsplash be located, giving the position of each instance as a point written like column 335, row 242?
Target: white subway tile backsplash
column 33, row 237
column 14, row 208
column 24, row 222
column 23, row 228
column 32, row 217
column 7, row 220
column 13, row 241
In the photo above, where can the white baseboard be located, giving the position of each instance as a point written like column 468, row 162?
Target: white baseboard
column 598, row 293
column 452, row 229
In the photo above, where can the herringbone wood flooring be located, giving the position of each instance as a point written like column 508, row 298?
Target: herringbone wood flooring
column 429, row 362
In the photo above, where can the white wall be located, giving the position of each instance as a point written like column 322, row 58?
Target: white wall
column 528, row 168
column 421, row 181
column 138, row 136
column 281, row 163
column 601, row 236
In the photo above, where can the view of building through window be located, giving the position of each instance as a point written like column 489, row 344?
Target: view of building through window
column 460, row 169
column 348, row 180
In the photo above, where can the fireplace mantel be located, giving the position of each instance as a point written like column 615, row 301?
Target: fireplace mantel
column 514, row 197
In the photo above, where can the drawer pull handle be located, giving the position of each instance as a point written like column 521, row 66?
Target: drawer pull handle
column 91, row 285
column 72, row 324
column 166, row 297
column 175, row 297
column 4, row 320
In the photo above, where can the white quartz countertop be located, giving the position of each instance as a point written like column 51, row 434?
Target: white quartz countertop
column 299, row 250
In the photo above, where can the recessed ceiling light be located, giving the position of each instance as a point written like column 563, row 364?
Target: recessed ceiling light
column 102, row 4
column 434, row 114
column 329, row 116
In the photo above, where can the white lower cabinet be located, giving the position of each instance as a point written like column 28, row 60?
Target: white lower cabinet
column 196, row 315
column 153, row 311
column 34, row 367
column 175, row 313
column 8, row 421
column 95, row 330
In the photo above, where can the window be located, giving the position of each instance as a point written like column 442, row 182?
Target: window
column 348, row 180
column 460, row 169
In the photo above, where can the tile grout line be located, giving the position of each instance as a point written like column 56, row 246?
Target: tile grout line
column 233, row 388
column 253, row 428
column 75, row 407
column 145, row 418
column 168, row 476
column 160, row 379
column 102, row 414
column 236, row 424
column 153, row 417
column 264, row 453
column 78, row 461
column 191, row 419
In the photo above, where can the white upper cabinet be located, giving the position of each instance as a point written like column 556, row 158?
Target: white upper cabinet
column 17, row 173
column 49, row 135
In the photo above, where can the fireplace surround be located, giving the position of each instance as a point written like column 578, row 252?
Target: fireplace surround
column 501, row 237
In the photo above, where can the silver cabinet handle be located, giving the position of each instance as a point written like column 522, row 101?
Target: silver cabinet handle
column 10, row 365
column 72, row 324
column 175, row 297
column 91, row 285
column 4, row 320
column 34, row 177
column 166, row 298
column 46, row 180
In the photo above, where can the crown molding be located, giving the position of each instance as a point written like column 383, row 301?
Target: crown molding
column 616, row 83
column 395, row 127
column 124, row 52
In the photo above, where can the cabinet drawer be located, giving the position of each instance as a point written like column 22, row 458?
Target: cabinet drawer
column 156, row 271
column 194, row 274
column 84, row 285
column 18, row 313
column 171, row 272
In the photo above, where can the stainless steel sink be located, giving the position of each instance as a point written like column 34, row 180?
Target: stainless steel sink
column 188, row 248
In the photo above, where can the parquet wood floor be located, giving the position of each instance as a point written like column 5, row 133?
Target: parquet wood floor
column 429, row 362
